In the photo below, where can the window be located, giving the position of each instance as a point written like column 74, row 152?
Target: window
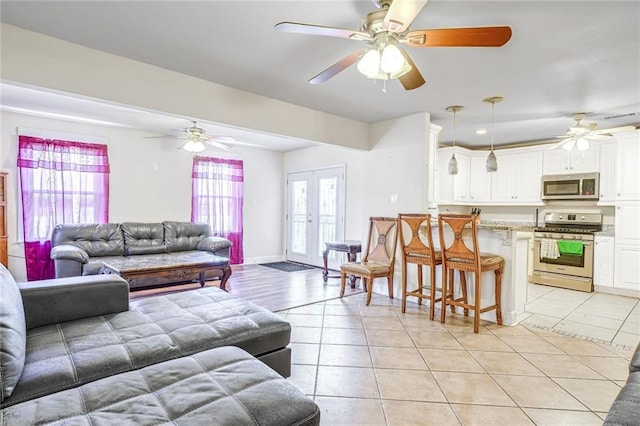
column 61, row 182
column 216, row 199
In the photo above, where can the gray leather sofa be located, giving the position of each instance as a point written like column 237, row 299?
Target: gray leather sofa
column 625, row 410
column 81, row 249
column 76, row 350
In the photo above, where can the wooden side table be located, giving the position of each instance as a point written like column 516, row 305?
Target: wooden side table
column 351, row 247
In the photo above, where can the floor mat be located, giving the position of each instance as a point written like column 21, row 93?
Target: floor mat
column 288, row 266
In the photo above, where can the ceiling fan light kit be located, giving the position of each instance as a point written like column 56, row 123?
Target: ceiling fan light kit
column 492, row 161
column 453, row 162
column 193, row 145
column 196, row 138
column 580, row 135
column 383, row 30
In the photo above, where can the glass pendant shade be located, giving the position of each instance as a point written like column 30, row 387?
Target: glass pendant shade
column 369, row 65
column 582, row 144
column 453, row 165
column 492, row 162
column 391, row 59
column 193, row 145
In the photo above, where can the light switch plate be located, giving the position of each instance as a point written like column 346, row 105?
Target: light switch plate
column 393, row 198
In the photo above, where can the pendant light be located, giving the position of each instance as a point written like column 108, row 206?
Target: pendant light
column 492, row 161
column 453, row 163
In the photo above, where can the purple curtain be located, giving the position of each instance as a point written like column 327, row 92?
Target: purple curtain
column 216, row 199
column 61, row 182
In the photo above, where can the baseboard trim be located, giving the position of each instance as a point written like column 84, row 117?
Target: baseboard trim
column 263, row 259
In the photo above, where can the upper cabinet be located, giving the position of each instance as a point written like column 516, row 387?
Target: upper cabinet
column 558, row 161
column 628, row 166
column 608, row 167
column 479, row 179
column 517, row 180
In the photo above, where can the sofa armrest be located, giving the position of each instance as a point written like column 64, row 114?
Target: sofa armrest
column 65, row 299
column 634, row 365
column 216, row 245
column 69, row 252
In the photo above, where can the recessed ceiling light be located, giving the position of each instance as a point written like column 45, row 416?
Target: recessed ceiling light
column 481, row 132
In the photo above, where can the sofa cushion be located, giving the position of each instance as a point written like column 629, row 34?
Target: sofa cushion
column 625, row 410
column 143, row 238
column 182, row 236
column 223, row 386
column 13, row 334
column 102, row 239
column 155, row 329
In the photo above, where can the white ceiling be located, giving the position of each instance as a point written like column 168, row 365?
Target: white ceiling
column 564, row 57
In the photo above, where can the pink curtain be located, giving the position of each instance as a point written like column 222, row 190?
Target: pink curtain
column 61, row 182
column 216, row 199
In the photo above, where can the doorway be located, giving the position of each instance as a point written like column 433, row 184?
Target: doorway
column 315, row 214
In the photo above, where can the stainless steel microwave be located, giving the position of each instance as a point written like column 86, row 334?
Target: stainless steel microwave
column 579, row 186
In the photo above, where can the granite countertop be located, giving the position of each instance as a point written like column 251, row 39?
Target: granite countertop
column 501, row 225
column 506, row 225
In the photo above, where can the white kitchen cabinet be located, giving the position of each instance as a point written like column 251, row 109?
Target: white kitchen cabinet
column 628, row 166
column 453, row 188
column 628, row 223
column 608, row 171
column 603, row 261
column 479, row 178
column 517, row 180
column 558, row 161
column 627, row 246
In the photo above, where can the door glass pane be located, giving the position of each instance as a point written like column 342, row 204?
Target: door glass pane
column 327, row 201
column 299, row 219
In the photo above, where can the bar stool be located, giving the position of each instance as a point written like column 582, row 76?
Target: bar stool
column 416, row 244
column 458, row 256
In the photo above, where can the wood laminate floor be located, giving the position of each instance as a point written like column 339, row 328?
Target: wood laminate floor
column 270, row 288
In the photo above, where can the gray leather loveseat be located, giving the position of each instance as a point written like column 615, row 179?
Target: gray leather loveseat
column 77, row 351
column 80, row 249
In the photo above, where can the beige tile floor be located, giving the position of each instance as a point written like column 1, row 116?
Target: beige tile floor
column 373, row 365
column 596, row 316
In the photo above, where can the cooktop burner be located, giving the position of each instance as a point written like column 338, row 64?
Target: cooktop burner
column 567, row 230
column 571, row 223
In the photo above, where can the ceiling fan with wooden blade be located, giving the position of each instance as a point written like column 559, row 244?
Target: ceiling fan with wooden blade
column 383, row 30
column 195, row 138
column 580, row 134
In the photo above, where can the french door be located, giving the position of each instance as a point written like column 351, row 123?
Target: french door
column 315, row 214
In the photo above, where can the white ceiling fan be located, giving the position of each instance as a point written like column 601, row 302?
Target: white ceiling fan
column 196, row 138
column 581, row 134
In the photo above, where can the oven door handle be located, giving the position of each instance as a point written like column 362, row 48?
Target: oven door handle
column 586, row 243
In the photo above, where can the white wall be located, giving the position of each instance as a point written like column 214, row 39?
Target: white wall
column 150, row 181
column 34, row 59
column 393, row 165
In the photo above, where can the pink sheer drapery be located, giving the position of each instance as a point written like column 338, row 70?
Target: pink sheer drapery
column 61, row 182
column 216, row 199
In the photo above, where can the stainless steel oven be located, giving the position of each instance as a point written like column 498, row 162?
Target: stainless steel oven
column 563, row 250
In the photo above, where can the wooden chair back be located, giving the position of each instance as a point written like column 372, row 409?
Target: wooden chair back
column 416, row 240
column 382, row 241
column 454, row 247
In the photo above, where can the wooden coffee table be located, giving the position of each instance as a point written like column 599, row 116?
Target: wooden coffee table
column 173, row 266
